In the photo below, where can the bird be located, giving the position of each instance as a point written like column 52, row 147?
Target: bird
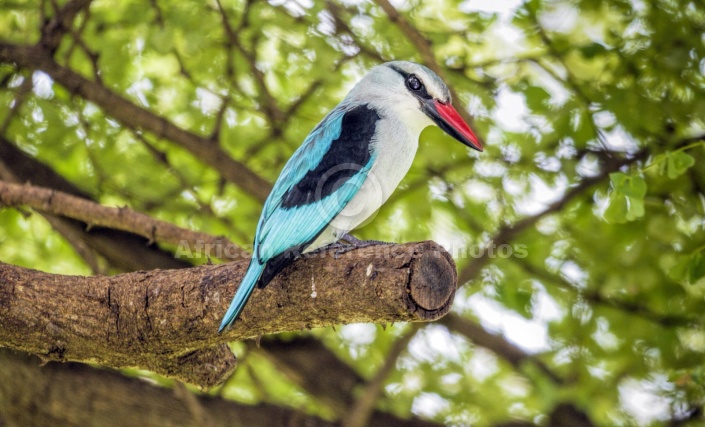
column 347, row 167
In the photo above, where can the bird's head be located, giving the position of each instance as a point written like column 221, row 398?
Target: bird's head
column 417, row 92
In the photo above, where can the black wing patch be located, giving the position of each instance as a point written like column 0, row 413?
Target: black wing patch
column 347, row 155
column 278, row 263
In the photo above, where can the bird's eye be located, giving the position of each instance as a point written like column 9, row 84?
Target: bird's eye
column 413, row 83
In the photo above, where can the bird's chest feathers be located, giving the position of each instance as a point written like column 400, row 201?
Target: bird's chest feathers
column 394, row 149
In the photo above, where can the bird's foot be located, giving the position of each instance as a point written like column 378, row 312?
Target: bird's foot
column 352, row 243
column 346, row 244
column 335, row 245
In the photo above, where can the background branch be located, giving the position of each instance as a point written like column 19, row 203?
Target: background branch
column 363, row 408
column 74, row 394
column 508, row 232
column 134, row 117
column 425, row 49
column 93, row 214
column 121, row 250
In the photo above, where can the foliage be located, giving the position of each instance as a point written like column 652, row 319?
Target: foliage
column 605, row 288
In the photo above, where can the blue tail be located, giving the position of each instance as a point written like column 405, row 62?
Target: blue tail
column 254, row 271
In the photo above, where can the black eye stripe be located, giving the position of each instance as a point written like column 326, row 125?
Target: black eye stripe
column 422, row 93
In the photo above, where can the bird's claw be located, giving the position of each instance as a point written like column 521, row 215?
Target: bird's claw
column 357, row 243
column 352, row 243
column 343, row 250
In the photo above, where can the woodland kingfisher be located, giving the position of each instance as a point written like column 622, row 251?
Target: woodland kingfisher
column 347, row 167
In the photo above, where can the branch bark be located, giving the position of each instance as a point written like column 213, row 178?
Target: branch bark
column 55, row 28
column 94, row 214
column 166, row 321
column 305, row 360
column 73, row 394
column 122, row 250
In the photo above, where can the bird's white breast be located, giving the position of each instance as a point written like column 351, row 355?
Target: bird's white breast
column 395, row 143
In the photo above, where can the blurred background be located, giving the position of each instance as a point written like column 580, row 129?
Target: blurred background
column 579, row 234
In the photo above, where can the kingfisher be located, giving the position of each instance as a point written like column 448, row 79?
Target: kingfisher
column 347, row 167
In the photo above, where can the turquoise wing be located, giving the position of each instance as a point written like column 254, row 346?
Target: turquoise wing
column 319, row 180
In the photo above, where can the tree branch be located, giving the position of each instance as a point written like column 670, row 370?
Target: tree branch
column 122, row 250
column 306, row 361
column 93, row 214
column 73, row 394
column 341, row 25
column 134, row 117
column 166, row 321
column 315, row 368
column 270, row 106
column 361, row 412
column 495, row 343
column 55, row 28
column 507, row 233
column 594, row 296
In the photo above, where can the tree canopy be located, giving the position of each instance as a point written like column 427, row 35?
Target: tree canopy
column 578, row 234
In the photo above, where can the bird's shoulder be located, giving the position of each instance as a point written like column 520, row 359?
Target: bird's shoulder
column 348, row 151
column 334, row 159
column 340, row 144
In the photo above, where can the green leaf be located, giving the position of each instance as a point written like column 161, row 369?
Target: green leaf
column 635, row 208
column 626, row 199
column 689, row 268
column 518, row 297
column 628, row 185
column 662, row 228
column 162, row 40
column 536, row 98
column 678, row 163
column 662, row 164
column 696, row 267
column 592, row 50
column 616, row 212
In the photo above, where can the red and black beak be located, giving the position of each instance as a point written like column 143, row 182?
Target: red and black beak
column 448, row 119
